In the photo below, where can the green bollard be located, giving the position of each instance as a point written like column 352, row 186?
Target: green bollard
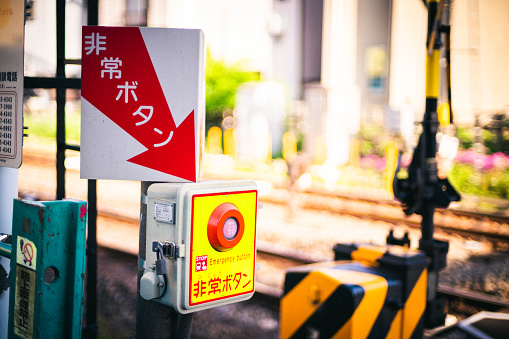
column 47, row 269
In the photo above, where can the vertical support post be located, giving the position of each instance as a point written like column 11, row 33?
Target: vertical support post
column 8, row 192
column 12, row 31
column 153, row 320
column 434, row 249
column 423, row 191
column 60, row 72
column 430, row 121
column 90, row 331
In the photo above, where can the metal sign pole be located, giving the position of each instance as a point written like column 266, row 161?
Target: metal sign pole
column 153, row 320
column 9, row 191
column 12, row 26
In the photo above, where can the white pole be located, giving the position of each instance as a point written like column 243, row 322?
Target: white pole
column 8, row 192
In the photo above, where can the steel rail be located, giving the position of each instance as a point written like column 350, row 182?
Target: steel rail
column 272, row 295
column 492, row 236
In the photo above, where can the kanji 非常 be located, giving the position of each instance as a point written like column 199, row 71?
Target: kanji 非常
column 95, row 42
column 200, row 288
column 111, row 66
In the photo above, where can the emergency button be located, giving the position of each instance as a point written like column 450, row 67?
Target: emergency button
column 225, row 227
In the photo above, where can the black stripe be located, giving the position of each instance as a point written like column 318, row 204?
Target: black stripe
column 357, row 267
column 419, row 329
column 392, row 303
column 401, row 280
column 292, row 279
column 408, row 270
column 340, row 306
column 333, row 313
column 389, row 310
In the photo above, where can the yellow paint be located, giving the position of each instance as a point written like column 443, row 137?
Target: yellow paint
column 214, row 140
column 227, row 273
column 391, row 162
column 369, row 253
column 299, row 304
column 415, row 305
column 433, row 74
column 289, row 146
column 296, row 308
column 269, row 149
column 396, row 327
column 365, row 315
column 320, row 150
column 354, row 152
column 229, row 142
column 444, row 114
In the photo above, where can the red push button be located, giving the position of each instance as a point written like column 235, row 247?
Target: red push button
column 225, row 227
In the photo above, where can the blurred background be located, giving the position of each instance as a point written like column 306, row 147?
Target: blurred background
column 325, row 91
column 313, row 96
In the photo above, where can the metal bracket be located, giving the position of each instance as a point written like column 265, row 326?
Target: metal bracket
column 169, row 249
column 172, row 250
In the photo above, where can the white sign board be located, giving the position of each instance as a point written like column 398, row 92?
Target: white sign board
column 143, row 103
column 12, row 26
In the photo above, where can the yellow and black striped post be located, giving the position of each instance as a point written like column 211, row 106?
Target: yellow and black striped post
column 431, row 191
column 380, row 295
column 430, row 121
column 423, row 190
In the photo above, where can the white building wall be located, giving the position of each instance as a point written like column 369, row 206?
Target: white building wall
column 287, row 47
column 339, row 57
column 235, row 30
column 40, row 43
column 480, row 62
column 408, row 60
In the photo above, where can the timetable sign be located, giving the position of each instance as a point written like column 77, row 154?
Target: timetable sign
column 12, row 26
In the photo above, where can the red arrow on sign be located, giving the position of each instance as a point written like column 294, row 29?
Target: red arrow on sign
column 119, row 79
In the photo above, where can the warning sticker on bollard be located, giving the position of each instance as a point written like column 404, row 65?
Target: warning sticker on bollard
column 26, row 259
column 26, row 254
column 24, row 302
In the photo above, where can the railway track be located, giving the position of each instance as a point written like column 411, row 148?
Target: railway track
column 473, row 225
column 283, row 257
column 457, row 298
column 489, row 226
column 492, row 227
column 486, row 225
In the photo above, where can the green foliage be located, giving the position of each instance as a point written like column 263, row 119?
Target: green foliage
column 373, row 140
column 222, row 81
column 492, row 183
column 465, row 137
column 43, row 125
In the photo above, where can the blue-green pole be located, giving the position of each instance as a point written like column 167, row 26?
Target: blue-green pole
column 5, row 250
